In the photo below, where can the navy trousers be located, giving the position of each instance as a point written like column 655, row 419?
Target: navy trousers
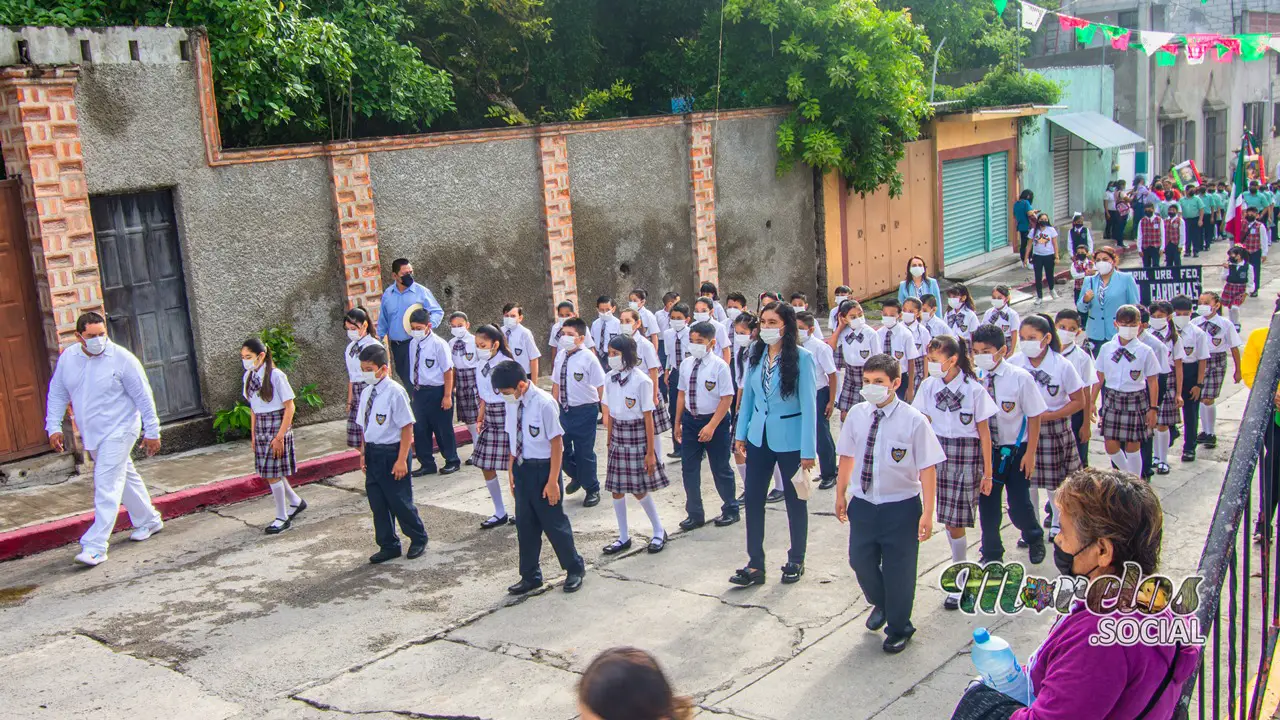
column 717, row 452
column 673, row 394
column 884, row 548
column 760, row 462
column 536, row 517
column 400, row 356
column 390, row 500
column 579, row 461
column 827, row 464
column 433, row 422
column 1008, row 482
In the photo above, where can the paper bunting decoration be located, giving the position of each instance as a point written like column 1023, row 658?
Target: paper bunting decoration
column 1069, row 23
column 1225, row 48
column 1153, row 41
column 1253, row 46
column 1032, row 16
column 1084, row 35
column 1165, row 58
column 1119, row 37
column 1000, row 6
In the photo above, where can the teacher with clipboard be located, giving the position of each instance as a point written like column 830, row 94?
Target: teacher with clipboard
column 1102, row 294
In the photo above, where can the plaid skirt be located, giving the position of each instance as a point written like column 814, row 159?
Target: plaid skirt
column 851, row 390
column 625, row 471
column 1124, row 416
column 959, row 481
column 916, row 368
column 492, row 450
column 1233, row 294
column 661, row 415
column 1170, row 413
column 355, row 435
column 1056, row 454
column 466, row 398
column 1215, row 374
column 265, row 427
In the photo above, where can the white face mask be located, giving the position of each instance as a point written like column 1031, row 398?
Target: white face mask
column 1104, row 267
column 934, row 369
column 889, row 322
column 857, row 323
column 248, row 363
column 634, row 305
column 953, row 303
column 484, row 353
column 1066, row 338
column 678, row 325
column 417, row 334
column 1181, row 321
column 741, row 340
column 697, row 351
column 733, row 313
column 1035, row 349
column 801, row 336
column 567, row 342
column 840, row 299
column 985, row 361
column 353, row 335
column 998, row 303
column 770, row 336
column 458, row 332
column 1159, row 324
column 606, row 314
column 701, row 316
column 800, row 308
column 509, row 322
column 908, row 317
column 1204, row 310
column 510, row 399
column 926, row 316
column 368, row 377
column 1128, row 332
column 627, row 328
column 917, row 270
column 615, row 362
column 875, row 394
column 96, row 345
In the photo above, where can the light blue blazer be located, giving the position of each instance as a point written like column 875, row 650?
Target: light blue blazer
column 791, row 421
column 1100, row 315
column 928, row 287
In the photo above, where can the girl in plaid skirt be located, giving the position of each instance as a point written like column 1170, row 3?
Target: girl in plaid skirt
column 631, row 323
column 634, row 464
column 959, row 410
column 1167, row 417
column 360, row 333
column 466, row 399
column 960, row 318
column 492, row 451
column 1128, row 369
column 271, row 398
column 1237, row 276
column 1223, row 339
column 853, row 342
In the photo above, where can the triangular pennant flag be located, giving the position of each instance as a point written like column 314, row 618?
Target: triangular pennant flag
column 1071, row 23
column 1225, row 48
column 1165, row 59
column 1253, row 46
column 1121, row 41
column 1153, row 41
column 1032, row 16
column 1000, row 6
column 1084, row 35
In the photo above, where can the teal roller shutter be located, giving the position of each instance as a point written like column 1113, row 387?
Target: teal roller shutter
column 997, row 200
column 964, row 213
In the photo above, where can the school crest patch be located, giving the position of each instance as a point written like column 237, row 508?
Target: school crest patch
column 631, row 402
column 1053, row 390
column 534, row 430
column 1217, row 341
column 865, row 354
column 966, row 418
column 1189, row 350
column 578, row 377
column 1135, row 374
column 485, row 371
column 898, row 354
column 468, row 356
column 519, row 351
column 898, row 454
column 709, row 385
column 1008, row 406
column 380, row 418
column 430, row 362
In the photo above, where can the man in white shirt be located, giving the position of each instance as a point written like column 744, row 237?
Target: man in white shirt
column 108, row 388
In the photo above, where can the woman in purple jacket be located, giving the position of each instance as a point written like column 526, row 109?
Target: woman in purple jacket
column 1108, row 518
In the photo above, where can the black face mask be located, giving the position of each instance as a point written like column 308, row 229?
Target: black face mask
column 1065, row 561
column 1151, row 214
column 406, row 280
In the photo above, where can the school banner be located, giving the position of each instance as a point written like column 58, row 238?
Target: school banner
column 1163, row 283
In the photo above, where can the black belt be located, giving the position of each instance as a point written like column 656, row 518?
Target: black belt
column 533, row 461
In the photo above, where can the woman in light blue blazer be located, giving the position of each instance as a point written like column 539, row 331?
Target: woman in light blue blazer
column 777, row 421
column 917, row 283
column 1102, row 294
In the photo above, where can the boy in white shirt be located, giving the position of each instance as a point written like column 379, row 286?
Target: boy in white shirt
column 431, row 374
column 520, row 340
column 577, row 384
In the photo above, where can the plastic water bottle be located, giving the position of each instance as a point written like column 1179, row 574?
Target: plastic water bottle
column 999, row 667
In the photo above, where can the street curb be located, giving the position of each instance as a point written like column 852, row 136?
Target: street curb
column 37, row 538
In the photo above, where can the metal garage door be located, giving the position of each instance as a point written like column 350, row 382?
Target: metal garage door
column 1061, row 177
column 997, row 200
column 964, row 215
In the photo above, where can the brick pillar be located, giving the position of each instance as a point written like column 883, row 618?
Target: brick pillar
column 357, row 230
column 41, row 140
column 557, row 218
column 702, row 184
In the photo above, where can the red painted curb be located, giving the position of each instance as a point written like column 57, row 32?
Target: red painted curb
column 46, row 536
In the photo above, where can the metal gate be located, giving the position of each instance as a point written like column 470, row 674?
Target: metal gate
column 964, row 217
column 144, row 294
column 1061, row 176
column 24, row 362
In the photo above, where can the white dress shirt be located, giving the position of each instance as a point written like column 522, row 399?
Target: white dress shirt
column 648, row 354
column 582, row 375
column 824, row 361
column 1126, row 375
column 1062, row 378
column 429, row 359
column 857, row 346
column 1226, row 337
column 1164, row 356
column 1017, row 398
column 463, row 352
column 650, row 321
column 1083, row 363
column 920, row 334
column 281, row 391
column 961, row 323
column 905, row 444
column 523, row 346
column 389, row 414
column 936, row 326
column 603, row 329
column 1006, row 319
column 664, row 320
column 540, row 423
column 902, row 345
column 109, row 393
column 352, row 356
column 676, row 345
column 484, row 378
column 553, row 338
column 1192, row 345
column 715, row 381
column 632, row 400
column 975, row 405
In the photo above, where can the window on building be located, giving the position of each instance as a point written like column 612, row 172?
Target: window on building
column 1275, row 120
column 1189, row 141
column 1168, row 143
column 1254, row 120
column 1127, row 18
column 1215, row 144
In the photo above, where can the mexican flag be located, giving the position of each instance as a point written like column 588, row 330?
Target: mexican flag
column 1239, row 183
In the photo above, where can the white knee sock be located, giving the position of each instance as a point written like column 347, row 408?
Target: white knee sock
column 1208, row 414
column 651, row 509
column 474, row 429
column 1234, row 314
column 1160, row 446
column 1121, row 460
column 290, row 495
column 959, row 548
column 1035, row 500
column 495, row 492
column 620, row 510
column 282, row 502
column 1134, row 460
column 1053, row 511
column 742, row 473
column 657, row 448
column 777, row 478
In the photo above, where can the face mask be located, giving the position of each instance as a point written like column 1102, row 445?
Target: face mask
column 701, row 317
column 509, row 322
column 697, row 351
column 841, row 298
column 1150, row 213
column 1065, row 562
column 801, row 336
column 889, row 322
column 458, row 332
column 406, row 280
column 1036, row 349
column 733, row 313
column 917, row 270
column 484, row 353
column 998, row 303
column 95, row 345
column 985, row 361
column 567, row 342
column 926, row 315
column 1077, row 225
column 953, row 303
column 1066, row 338
column 875, row 394
column 1204, row 310
column 1082, row 257
column 857, row 323
column 1127, row 332
column 1104, row 267
column 678, row 325
column 627, row 328
column 368, row 377
column 770, row 336
column 741, row 340
column 606, row 314
column 633, row 305
column 935, row 369
column 908, row 317
column 353, row 335
column 248, row 363
column 511, row 400
column 1159, row 324
column 615, row 362
column 417, row 334
column 1181, row 321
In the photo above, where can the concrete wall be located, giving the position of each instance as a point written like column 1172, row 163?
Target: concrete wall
column 631, row 196
column 764, row 223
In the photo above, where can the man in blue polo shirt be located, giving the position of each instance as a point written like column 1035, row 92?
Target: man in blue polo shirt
column 397, row 299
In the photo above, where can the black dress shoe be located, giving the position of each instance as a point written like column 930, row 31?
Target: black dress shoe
column 1174, row 434
column 524, row 586
column 494, row 522
column 827, row 483
column 469, row 462
column 691, row 524
column 1037, row 553
column 424, row 471
column 876, row 619
column 277, row 527
column 726, row 520
column 657, row 545
column 746, row 577
column 592, row 499
column 573, row 583
column 951, row 602
column 384, row 555
column 572, row 487
column 895, row 644
column 617, row 546
column 416, row 550
column 297, row 510
column 1211, row 442
column 1189, row 454
column 1022, row 543
column 775, row 496
column 791, row 573
column 674, row 454
column 451, row 468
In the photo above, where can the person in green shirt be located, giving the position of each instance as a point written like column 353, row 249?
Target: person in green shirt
column 1193, row 210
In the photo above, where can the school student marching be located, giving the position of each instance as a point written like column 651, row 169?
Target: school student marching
column 1070, row 337
column 564, row 311
column 270, row 397
column 604, row 328
column 1128, row 370
column 800, row 302
column 536, row 444
column 1223, row 339
column 888, row 457
column 842, row 293
column 676, row 341
column 360, row 336
column 386, row 421
column 520, row 340
column 491, row 452
column 1161, row 327
column 1256, row 240
column 637, row 301
column 1193, row 346
column 635, row 465
column 632, row 326
column 704, row 311
column 708, row 290
column 960, row 318
column 1151, row 238
column 852, row 343
column 1237, row 275
column 825, row 380
column 466, row 399
column 1004, row 317
column 578, row 386
column 704, row 398
column 959, row 411
column 1177, row 238
column 1195, row 210
column 431, row 374
column 896, row 341
column 1064, row 394
column 1081, row 268
column 1164, row 359
column 933, row 322
column 911, row 320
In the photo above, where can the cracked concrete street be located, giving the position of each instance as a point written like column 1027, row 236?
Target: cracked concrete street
column 212, row 619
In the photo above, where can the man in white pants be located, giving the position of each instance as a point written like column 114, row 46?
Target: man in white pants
column 109, row 393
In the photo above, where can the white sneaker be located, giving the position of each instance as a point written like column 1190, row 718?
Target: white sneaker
column 1037, row 302
column 1052, row 294
column 90, row 558
column 146, row 531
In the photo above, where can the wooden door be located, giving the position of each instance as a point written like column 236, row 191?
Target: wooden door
column 24, row 363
